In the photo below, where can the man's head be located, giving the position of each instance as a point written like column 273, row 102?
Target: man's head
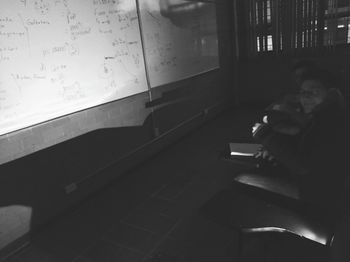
column 302, row 67
column 314, row 89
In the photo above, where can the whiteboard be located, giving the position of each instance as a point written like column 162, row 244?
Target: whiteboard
column 61, row 56
column 180, row 39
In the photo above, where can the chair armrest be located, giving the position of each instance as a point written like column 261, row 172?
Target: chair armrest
column 252, row 215
column 278, row 185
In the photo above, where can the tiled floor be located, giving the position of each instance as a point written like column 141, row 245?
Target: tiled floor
column 151, row 215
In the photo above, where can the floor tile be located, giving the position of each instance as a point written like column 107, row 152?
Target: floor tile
column 104, row 251
column 197, row 230
column 176, row 186
column 163, row 206
column 13, row 259
column 131, row 237
column 66, row 240
column 81, row 259
column 161, row 257
column 155, row 222
column 35, row 254
column 172, row 248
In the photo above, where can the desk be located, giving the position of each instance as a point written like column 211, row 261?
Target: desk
column 252, row 177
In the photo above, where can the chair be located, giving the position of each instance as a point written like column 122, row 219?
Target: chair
column 255, row 216
column 263, row 182
column 269, row 184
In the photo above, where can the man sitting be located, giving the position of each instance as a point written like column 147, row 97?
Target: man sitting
column 312, row 142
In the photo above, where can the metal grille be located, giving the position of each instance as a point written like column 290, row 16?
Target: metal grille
column 290, row 26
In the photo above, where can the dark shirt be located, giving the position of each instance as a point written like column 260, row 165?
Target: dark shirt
column 317, row 157
column 323, row 152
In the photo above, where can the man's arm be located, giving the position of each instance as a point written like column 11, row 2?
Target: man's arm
column 285, row 151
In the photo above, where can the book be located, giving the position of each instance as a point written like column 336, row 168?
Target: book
column 243, row 149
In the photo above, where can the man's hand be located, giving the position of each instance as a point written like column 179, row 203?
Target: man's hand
column 264, row 154
column 255, row 127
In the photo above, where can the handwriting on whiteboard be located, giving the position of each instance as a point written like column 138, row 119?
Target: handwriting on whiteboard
column 65, row 49
column 73, row 92
column 62, row 56
column 42, row 6
column 7, row 28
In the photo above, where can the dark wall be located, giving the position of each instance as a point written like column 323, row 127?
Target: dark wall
column 263, row 79
column 266, row 78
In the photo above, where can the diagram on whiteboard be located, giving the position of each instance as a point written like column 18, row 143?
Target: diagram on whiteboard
column 61, row 56
column 180, row 39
